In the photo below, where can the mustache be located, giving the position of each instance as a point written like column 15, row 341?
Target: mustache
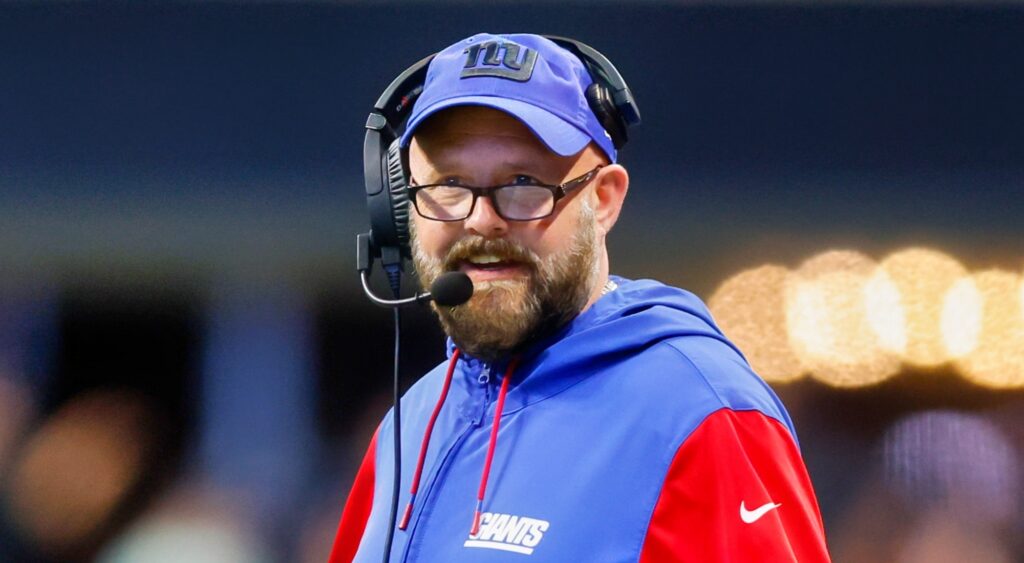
column 502, row 248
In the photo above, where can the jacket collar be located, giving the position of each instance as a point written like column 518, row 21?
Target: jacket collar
column 618, row 324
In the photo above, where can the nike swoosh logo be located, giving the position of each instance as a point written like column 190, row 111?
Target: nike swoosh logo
column 751, row 516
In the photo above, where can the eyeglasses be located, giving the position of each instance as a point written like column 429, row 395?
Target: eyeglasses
column 512, row 202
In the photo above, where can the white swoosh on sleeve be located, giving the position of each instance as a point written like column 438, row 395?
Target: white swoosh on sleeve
column 751, row 516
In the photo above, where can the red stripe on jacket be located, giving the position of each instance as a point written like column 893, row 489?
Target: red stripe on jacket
column 732, row 458
column 357, row 509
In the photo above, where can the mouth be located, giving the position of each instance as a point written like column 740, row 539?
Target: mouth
column 491, row 267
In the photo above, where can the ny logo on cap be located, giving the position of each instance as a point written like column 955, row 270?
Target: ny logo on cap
column 508, row 66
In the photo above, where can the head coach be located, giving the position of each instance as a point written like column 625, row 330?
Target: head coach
column 580, row 416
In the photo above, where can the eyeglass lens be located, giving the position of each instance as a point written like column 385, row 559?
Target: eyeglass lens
column 454, row 203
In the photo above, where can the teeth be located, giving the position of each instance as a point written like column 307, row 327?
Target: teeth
column 485, row 259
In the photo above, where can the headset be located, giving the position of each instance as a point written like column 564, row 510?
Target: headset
column 385, row 165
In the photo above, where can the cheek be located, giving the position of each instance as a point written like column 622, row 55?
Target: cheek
column 543, row 247
column 434, row 237
column 552, row 237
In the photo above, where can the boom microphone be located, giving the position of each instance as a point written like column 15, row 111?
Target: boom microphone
column 448, row 290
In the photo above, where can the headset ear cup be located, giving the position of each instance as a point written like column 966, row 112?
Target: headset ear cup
column 397, row 188
column 603, row 106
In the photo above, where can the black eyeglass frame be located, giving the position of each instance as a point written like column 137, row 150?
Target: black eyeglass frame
column 558, row 192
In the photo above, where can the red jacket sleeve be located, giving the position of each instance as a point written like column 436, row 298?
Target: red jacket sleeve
column 737, row 490
column 357, row 509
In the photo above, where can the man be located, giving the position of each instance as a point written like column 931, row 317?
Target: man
column 580, row 416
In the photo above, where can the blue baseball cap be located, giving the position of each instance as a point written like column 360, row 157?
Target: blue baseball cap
column 524, row 75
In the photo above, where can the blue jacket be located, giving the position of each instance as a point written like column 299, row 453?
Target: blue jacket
column 638, row 432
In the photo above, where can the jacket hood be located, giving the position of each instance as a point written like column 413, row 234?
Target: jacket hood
column 636, row 315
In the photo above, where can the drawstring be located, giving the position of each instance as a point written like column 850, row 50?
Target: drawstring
column 490, row 447
column 426, row 439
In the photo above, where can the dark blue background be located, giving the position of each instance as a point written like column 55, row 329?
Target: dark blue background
column 867, row 127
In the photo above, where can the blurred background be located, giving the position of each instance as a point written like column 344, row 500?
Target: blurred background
column 190, row 372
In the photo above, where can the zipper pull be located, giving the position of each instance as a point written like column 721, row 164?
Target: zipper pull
column 484, row 379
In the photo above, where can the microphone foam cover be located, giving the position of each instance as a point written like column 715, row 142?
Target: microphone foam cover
column 451, row 289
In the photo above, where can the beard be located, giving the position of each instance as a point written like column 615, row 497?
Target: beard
column 504, row 316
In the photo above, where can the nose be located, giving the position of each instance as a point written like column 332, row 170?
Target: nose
column 485, row 221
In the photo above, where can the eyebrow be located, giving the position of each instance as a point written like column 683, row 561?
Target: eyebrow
column 517, row 166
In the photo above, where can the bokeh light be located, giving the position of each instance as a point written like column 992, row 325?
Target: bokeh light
column 1021, row 297
column 953, row 460
column 885, row 313
column 191, row 525
column 961, row 318
column 922, row 278
column 750, row 308
column 77, row 468
column 998, row 358
column 850, row 322
column 828, row 321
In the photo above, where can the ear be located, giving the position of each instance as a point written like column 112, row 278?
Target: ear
column 610, row 189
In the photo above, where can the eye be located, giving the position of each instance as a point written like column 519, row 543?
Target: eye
column 450, row 181
column 524, row 180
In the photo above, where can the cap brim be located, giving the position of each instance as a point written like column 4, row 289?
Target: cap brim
column 559, row 136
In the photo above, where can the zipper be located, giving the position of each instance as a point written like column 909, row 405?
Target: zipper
column 485, row 380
